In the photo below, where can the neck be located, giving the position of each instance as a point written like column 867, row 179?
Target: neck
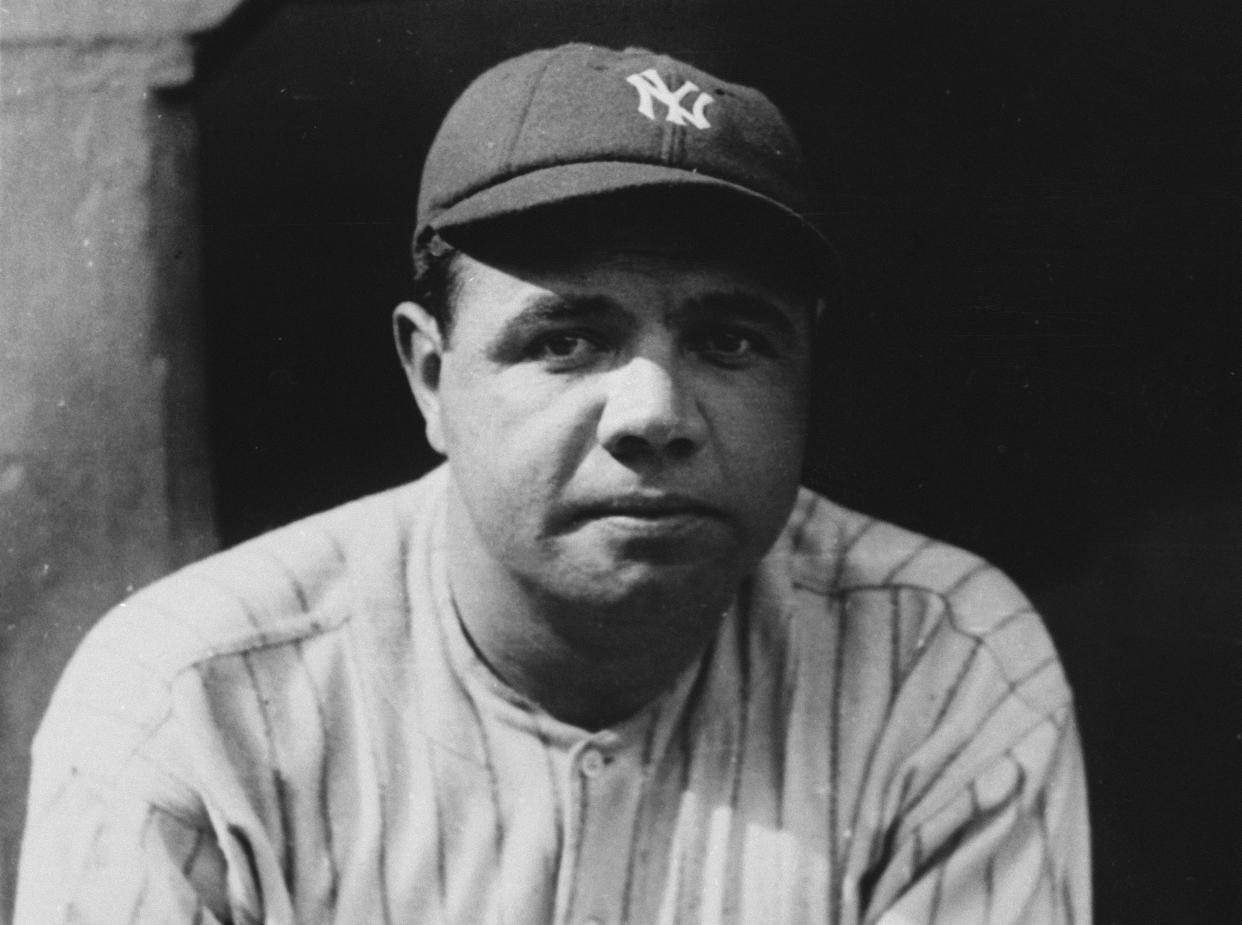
column 588, row 665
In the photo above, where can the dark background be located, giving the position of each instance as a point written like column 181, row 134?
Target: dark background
column 1034, row 352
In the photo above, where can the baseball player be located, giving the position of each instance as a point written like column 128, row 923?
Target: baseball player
column 608, row 663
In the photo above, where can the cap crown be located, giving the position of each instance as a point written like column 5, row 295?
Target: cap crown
column 585, row 105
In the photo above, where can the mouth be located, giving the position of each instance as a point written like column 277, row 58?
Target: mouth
column 652, row 517
column 653, row 507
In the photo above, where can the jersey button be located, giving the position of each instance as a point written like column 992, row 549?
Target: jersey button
column 591, row 763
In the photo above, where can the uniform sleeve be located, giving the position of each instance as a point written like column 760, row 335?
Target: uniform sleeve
column 1011, row 848
column 114, row 831
column 94, row 856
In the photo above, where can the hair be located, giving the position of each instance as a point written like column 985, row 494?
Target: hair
column 436, row 282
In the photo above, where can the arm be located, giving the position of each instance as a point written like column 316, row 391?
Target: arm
column 115, row 830
column 93, row 853
column 1010, row 848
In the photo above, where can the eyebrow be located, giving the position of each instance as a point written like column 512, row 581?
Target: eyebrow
column 550, row 308
column 744, row 306
column 553, row 308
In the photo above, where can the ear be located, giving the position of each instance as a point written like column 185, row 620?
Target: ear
column 421, row 347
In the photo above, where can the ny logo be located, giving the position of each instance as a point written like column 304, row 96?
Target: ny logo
column 651, row 87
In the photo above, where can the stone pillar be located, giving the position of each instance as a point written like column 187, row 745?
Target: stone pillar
column 103, row 471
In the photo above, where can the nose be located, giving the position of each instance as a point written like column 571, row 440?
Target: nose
column 651, row 412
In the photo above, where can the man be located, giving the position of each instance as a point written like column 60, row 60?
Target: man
column 609, row 663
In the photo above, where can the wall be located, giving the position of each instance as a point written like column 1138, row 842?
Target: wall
column 103, row 470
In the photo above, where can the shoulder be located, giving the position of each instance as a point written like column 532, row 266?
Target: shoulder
column 299, row 580
column 895, row 583
column 304, row 581
column 836, row 552
column 931, row 665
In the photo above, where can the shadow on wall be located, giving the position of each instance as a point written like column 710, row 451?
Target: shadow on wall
column 1150, row 629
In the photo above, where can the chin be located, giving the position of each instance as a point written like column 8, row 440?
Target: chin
column 606, row 583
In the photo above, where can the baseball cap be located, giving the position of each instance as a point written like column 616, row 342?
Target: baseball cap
column 578, row 123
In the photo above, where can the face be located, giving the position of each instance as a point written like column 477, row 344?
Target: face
column 620, row 424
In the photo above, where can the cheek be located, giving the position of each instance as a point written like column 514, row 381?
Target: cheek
column 497, row 486
column 764, row 430
column 512, row 439
column 476, row 406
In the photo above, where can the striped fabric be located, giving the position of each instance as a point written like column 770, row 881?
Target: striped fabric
column 297, row 730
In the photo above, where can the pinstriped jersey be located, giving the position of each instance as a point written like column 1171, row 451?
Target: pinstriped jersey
column 297, row 730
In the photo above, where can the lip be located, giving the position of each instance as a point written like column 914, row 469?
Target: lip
column 651, row 517
column 649, row 506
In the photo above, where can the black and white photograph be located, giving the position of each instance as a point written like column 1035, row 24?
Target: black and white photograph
column 649, row 462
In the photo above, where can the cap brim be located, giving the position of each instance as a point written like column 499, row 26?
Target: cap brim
column 573, row 183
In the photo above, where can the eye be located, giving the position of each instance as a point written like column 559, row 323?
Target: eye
column 728, row 345
column 564, row 349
